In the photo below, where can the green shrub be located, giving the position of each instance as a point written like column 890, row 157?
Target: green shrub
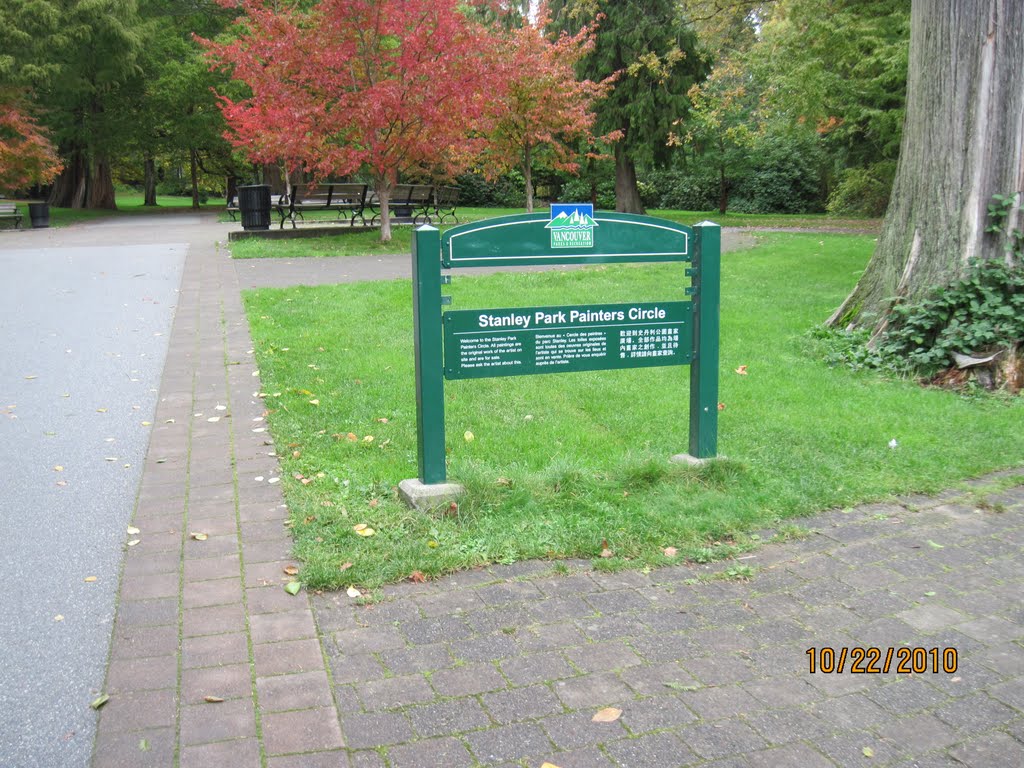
column 685, row 190
column 785, row 177
column 863, row 191
column 506, row 191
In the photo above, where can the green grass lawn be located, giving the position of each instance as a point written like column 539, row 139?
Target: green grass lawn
column 561, row 464
column 347, row 243
column 128, row 204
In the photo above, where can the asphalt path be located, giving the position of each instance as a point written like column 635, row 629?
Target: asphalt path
column 83, row 338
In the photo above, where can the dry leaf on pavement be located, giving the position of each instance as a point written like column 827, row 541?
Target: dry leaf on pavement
column 607, row 715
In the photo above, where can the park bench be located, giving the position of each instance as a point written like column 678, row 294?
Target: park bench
column 417, row 202
column 346, row 198
column 10, row 211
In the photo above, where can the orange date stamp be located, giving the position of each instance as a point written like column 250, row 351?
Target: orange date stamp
column 904, row 660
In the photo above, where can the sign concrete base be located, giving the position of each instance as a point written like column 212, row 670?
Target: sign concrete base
column 423, row 497
column 693, row 461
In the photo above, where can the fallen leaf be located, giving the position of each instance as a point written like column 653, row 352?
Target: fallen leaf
column 374, row 503
column 742, row 370
column 383, row 421
column 504, row 482
column 296, row 454
column 351, row 436
column 213, row 418
column 469, row 436
column 291, row 570
column 147, row 423
column 935, row 545
column 353, row 592
column 670, row 551
column 199, row 536
column 58, row 468
column 314, row 402
column 132, row 530
column 32, row 377
column 605, row 552
column 721, row 406
column 100, row 700
column 220, row 407
column 143, row 745
column 62, row 483
column 368, row 439
column 416, row 577
column 58, row 617
column 213, row 699
column 90, row 579
column 549, row 765
column 363, row 529
column 133, row 542
column 607, row 715
column 344, row 566
column 293, row 587
column 868, row 752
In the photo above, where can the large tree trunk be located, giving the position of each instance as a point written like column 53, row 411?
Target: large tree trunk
column 149, row 181
column 101, row 186
column 963, row 141
column 68, row 190
column 627, row 195
column 194, row 177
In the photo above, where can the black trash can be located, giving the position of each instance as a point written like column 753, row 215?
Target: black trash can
column 254, row 205
column 39, row 215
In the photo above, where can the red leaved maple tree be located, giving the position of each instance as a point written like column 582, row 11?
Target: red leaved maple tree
column 26, row 155
column 546, row 109
column 393, row 87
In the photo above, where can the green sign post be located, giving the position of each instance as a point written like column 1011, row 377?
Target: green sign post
column 479, row 343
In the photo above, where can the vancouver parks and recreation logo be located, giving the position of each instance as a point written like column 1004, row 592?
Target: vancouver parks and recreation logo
column 572, row 225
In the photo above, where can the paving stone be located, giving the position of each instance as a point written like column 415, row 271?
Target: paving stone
column 448, row 717
column 990, row 750
column 286, row 625
column 658, row 750
column 918, row 734
column 467, row 680
column 420, row 659
column 782, row 691
column 656, row 713
column 1011, row 693
column 975, row 713
column 231, row 681
column 854, row 711
column 528, row 703
column 151, row 748
column 509, row 742
column 363, row 759
column 304, row 690
column 786, row 725
column 721, row 669
column 148, row 613
column 395, row 692
column 206, row 723
column 308, row 730
column 590, row 757
column 506, row 619
column 992, row 630
column 287, row 657
column 375, row 730
column 358, row 668
column 596, row 690
column 658, row 679
column 715, row 740
column 139, row 710
column 577, row 729
column 536, row 668
column 151, row 673
column 331, row 759
column 235, row 752
column 508, row 592
column 930, row 618
column 611, row 627
column 436, row 630
column 490, row 648
column 790, row 755
column 847, row 748
column 213, row 620
column 718, row 703
column 602, row 657
column 214, row 650
column 572, row 584
column 548, row 637
column 431, row 753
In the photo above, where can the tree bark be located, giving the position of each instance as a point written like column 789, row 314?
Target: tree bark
column 963, row 141
column 384, row 187
column 194, row 177
column 68, row 190
column 100, row 193
column 149, row 181
column 627, row 195
column 528, row 175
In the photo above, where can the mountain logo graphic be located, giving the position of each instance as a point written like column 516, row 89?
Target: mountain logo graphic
column 572, row 225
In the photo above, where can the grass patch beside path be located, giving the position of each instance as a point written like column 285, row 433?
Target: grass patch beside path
column 562, row 463
column 128, row 204
column 368, row 243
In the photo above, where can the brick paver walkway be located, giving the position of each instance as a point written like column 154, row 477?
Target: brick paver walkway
column 506, row 666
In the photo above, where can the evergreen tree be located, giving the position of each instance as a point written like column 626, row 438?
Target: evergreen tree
column 649, row 43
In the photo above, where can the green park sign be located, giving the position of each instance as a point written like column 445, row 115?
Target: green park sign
column 519, row 341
